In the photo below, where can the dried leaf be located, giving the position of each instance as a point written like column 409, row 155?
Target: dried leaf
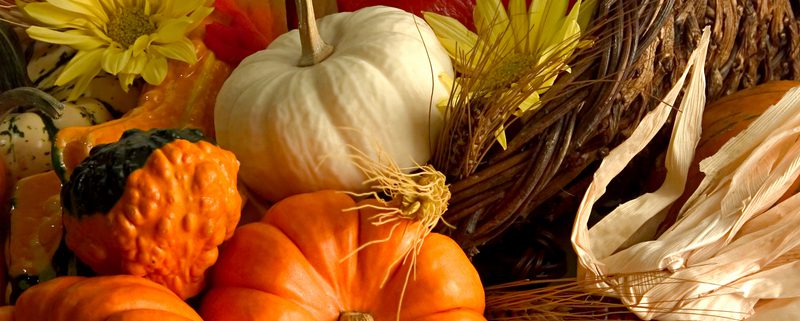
column 732, row 245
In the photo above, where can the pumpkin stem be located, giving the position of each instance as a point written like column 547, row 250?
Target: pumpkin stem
column 314, row 49
column 355, row 316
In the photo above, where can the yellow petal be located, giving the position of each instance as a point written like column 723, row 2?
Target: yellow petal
column 148, row 7
column 491, row 21
column 198, row 16
column 535, row 23
column 530, row 103
column 83, row 8
column 563, row 43
column 450, row 85
column 84, row 64
column 552, row 21
column 155, row 70
column 500, row 135
column 51, row 15
column 171, row 30
column 519, row 23
column 182, row 50
column 140, row 44
column 72, row 38
column 451, row 29
column 136, row 65
column 570, row 30
column 587, row 12
column 83, row 83
column 115, row 59
column 126, row 80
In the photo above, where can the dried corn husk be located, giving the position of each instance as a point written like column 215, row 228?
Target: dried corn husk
column 732, row 245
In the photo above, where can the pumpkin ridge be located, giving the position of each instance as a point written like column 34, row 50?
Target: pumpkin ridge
column 338, row 289
column 296, row 297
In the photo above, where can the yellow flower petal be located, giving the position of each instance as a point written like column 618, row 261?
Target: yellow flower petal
column 519, row 23
column 136, row 65
column 172, row 30
column 83, row 83
column 155, row 70
column 491, row 19
column 535, row 23
column 500, row 135
column 72, row 38
column 82, row 64
column 587, row 11
column 459, row 41
column 553, row 19
column 51, row 15
column 83, row 8
column 183, row 50
column 569, row 30
column 530, row 103
column 115, row 60
column 140, row 45
column 148, row 7
column 198, row 15
column 126, row 80
column 449, row 28
column 449, row 84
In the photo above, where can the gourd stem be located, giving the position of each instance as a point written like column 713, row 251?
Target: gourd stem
column 30, row 96
column 355, row 316
column 314, row 49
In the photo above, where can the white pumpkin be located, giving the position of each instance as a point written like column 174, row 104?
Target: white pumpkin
column 290, row 126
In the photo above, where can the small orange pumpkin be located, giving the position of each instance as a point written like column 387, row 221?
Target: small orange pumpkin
column 107, row 298
column 155, row 204
column 291, row 266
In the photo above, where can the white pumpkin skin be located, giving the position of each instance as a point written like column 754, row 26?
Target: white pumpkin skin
column 290, row 126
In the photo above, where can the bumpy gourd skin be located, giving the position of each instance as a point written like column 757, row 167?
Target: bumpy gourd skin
column 173, row 213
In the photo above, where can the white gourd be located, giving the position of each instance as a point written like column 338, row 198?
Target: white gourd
column 26, row 137
column 291, row 126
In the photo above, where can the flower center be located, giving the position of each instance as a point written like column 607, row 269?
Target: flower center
column 127, row 26
column 509, row 70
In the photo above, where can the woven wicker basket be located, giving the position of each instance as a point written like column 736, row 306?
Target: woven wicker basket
column 514, row 207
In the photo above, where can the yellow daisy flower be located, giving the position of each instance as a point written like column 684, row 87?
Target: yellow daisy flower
column 125, row 38
column 517, row 39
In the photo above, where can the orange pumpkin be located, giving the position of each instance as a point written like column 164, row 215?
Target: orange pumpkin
column 727, row 117
column 108, row 298
column 155, row 204
column 4, row 223
column 289, row 266
column 7, row 313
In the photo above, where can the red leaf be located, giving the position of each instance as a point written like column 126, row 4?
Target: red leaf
column 243, row 27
